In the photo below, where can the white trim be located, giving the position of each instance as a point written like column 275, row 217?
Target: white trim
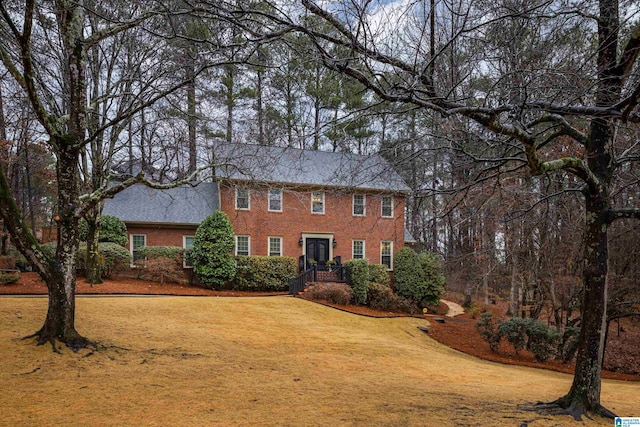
column 324, row 200
column 184, row 247
column 390, row 253
column 248, row 208
column 269, row 200
column 236, row 243
column 131, row 236
column 382, row 206
column 269, row 245
column 364, row 248
column 364, row 205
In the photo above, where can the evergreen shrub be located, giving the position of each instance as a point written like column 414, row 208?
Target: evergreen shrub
column 112, row 229
column 378, row 274
column 359, row 279
column 263, row 273
column 211, row 255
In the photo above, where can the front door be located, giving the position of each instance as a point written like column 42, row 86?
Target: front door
column 318, row 251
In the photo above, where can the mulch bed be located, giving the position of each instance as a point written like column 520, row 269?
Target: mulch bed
column 458, row 333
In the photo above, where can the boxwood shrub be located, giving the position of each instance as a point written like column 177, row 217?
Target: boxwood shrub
column 359, row 279
column 378, row 274
column 113, row 257
column 263, row 273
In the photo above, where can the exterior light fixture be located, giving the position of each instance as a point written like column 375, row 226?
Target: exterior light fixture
column 300, row 242
column 334, row 242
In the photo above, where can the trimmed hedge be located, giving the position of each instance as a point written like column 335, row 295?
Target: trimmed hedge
column 151, row 252
column 359, row 279
column 263, row 273
column 417, row 277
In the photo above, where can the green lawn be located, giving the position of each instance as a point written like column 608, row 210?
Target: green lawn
column 261, row 361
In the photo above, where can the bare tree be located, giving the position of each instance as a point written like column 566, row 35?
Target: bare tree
column 568, row 92
column 45, row 48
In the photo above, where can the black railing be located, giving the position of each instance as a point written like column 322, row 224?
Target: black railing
column 298, row 283
column 335, row 273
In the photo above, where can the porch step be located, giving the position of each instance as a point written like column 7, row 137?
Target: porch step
column 327, row 276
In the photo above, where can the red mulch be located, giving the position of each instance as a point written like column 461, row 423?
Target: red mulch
column 623, row 352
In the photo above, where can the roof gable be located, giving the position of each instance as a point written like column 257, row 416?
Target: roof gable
column 305, row 167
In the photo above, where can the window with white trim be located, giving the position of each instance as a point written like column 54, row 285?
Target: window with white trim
column 187, row 245
column 275, row 246
column 386, row 253
column 387, row 206
column 317, row 202
column 137, row 241
column 357, row 249
column 242, row 199
column 359, row 208
column 275, row 200
column 243, row 245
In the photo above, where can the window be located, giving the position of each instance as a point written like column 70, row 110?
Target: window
column 187, row 244
column 317, row 202
column 137, row 241
column 275, row 246
column 275, row 200
column 358, row 205
column 358, row 249
column 387, row 207
column 386, row 251
column 242, row 198
column 242, row 245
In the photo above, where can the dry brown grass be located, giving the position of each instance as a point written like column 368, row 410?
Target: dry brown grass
column 261, row 361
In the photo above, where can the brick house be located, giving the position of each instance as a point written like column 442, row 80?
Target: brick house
column 310, row 205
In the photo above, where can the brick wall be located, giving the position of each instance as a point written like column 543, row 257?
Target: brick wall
column 297, row 221
column 161, row 235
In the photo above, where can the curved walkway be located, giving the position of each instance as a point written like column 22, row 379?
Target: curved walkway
column 455, row 309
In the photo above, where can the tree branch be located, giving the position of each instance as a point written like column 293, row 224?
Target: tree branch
column 622, row 213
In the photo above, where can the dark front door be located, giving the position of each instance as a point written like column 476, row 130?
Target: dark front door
column 318, row 251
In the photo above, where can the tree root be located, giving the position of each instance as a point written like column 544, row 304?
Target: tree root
column 576, row 409
column 73, row 340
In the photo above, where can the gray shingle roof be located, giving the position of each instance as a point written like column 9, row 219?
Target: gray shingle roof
column 181, row 205
column 295, row 167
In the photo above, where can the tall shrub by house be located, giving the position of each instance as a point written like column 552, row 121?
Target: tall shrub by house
column 433, row 277
column 417, row 277
column 359, row 279
column 212, row 253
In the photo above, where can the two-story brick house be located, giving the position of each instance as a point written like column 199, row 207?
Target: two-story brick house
column 281, row 202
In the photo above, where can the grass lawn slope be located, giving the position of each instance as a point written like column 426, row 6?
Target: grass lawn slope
column 186, row 361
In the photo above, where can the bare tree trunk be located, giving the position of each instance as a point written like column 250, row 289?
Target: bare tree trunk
column 191, row 113
column 4, row 237
column 584, row 394
column 92, row 264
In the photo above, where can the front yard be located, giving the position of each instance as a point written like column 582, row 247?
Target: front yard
column 261, row 361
